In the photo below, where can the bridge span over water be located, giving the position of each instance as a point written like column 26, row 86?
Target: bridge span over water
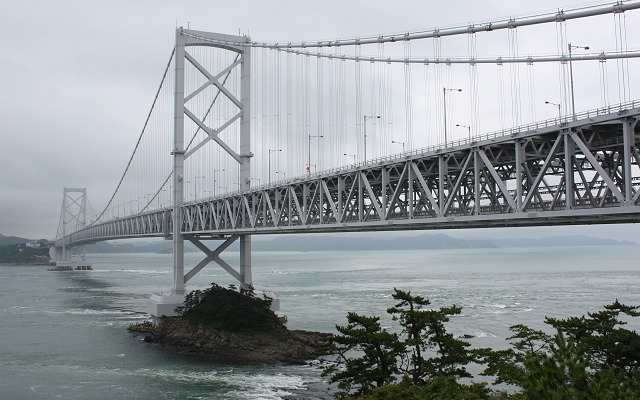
column 239, row 112
column 551, row 173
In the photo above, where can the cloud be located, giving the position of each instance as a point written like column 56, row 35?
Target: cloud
column 78, row 77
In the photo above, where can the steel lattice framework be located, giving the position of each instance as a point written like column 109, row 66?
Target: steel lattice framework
column 580, row 172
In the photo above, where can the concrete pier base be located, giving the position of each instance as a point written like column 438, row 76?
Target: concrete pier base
column 163, row 305
column 275, row 301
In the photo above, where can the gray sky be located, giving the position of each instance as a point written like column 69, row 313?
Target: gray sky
column 78, row 78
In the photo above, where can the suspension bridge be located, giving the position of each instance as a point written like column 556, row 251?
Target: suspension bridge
column 418, row 130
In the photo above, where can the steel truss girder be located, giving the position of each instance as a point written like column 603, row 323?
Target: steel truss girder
column 584, row 172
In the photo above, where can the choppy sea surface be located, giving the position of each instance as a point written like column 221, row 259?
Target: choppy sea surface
column 63, row 334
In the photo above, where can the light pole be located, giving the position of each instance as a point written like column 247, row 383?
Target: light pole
column 140, row 208
column 402, row 143
column 468, row 128
column 271, row 151
column 351, row 155
column 573, row 100
column 444, row 99
column 366, row 117
column 309, row 163
column 214, row 180
column 195, row 186
column 558, row 107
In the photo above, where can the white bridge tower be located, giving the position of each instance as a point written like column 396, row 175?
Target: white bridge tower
column 165, row 304
column 73, row 218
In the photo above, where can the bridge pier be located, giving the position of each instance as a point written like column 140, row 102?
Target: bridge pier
column 165, row 304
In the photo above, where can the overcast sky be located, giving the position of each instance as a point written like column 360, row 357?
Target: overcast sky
column 78, row 78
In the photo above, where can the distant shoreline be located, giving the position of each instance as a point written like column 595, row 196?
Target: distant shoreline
column 338, row 242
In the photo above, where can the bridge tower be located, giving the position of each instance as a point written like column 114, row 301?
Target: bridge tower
column 73, row 218
column 165, row 304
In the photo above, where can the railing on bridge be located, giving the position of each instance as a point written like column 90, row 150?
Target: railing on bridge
column 497, row 180
column 552, row 123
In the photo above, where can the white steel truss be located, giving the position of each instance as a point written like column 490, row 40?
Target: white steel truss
column 578, row 172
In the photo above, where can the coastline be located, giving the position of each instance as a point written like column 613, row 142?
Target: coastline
column 288, row 347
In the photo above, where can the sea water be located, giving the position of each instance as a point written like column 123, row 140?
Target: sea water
column 63, row 334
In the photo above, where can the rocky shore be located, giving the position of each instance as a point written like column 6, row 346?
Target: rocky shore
column 286, row 347
column 228, row 326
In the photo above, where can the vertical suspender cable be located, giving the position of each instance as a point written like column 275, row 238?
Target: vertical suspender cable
column 501, row 106
column 563, row 82
column 290, row 145
column 331, row 84
column 408, row 86
column 438, row 94
column 604, row 84
column 387, row 124
column 427, row 107
column 515, row 78
column 626, row 60
column 358, row 105
column 320, row 105
column 532, row 92
column 263, row 118
column 474, row 122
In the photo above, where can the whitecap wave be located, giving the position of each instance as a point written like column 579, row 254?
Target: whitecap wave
column 247, row 386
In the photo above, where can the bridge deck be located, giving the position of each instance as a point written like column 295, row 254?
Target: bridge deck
column 580, row 172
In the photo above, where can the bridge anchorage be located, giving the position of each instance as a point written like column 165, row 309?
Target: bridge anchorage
column 578, row 168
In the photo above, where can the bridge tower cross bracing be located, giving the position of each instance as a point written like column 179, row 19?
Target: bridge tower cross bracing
column 165, row 304
column 73, row 218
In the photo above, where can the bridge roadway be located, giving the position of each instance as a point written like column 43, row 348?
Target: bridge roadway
column 551, row 173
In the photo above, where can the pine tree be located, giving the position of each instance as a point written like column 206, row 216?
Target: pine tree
column 378, row 363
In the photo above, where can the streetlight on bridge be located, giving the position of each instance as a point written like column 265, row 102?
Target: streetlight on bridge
column 468, row 128
column 271, row 151
column 140, row 207
column 309, row 163
column 444, row 100
column 366, row 117
column 195, row 186
column 350, row 155
column 558, row 107
column 573, row 100
column 402, row 143
column 214, row 180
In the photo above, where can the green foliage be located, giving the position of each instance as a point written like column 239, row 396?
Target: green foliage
column 588, row 357
column 229, row 310
column 378, row 364
column 425, row 331
column 610, row 347
column 508, row 366
column 438, row 388
column 386, row 355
